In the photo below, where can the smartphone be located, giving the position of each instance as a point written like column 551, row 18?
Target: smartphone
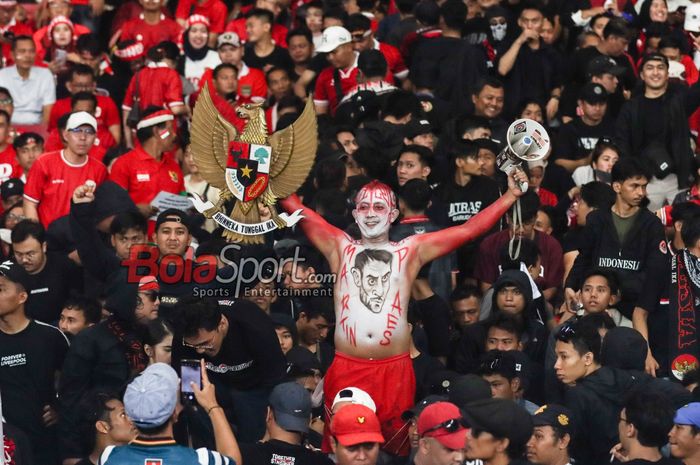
column 189, row 373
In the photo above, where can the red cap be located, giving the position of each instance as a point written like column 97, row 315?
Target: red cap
column 354, row 424
column 155, row 118
column 148, row 283
column 55, row 22
column 435, row 422
column 197, row 19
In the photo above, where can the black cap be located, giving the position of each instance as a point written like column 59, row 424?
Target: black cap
column 301, row 362
column 624, row 348
column 503, row 418
column 14, row 273
column 173, row 214
column 604, row 64
column 468, row 388
column 554, row 415
column 12, row 186
column 441, row 381
column 488, row 144
column 418, row 408
column 593, row 93
column 416, row 127
column 653, row 56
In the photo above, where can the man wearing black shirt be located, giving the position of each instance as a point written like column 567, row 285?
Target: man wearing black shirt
column 52, row 276
column 645, row 421
column 242, row 354
column 654, row 127
column 261, row 51
column 288, row 417
column 464, row 196
column 31, row 356
column 578, row 138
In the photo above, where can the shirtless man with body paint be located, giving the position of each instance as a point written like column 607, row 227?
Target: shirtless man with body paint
column 372, row 290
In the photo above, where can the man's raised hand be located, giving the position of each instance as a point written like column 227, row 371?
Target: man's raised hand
column 515, row 179
column 85, row 193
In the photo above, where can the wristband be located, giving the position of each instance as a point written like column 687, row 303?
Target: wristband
column 212, row 408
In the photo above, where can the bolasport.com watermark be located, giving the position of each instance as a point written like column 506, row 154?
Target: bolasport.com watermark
column 231, row 273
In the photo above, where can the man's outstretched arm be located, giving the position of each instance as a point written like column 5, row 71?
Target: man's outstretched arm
column 324, row 236
column 436, row 244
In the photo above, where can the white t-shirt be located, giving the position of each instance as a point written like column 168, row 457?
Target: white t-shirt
column 195, row 69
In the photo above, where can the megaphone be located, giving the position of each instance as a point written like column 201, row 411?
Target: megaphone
column 526, row 140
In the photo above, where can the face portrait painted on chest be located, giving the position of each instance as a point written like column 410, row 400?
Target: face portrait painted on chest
column 371, row 275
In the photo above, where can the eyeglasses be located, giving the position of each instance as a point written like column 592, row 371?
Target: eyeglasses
column 5, row 101
column 14, row 217
column 205, row 346
column 152, row 296
column 85, row 131
column 452, row 425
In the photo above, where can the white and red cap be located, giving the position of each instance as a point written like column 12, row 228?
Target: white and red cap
column 333, row 37
column 129, row 51
column 8, row 3
column 59, row 20
column 228, row 38
column 155, row 118
column 148, row 283
column 197, row 19
column 81, row 118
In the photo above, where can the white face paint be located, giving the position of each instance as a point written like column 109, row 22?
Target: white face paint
column 499, row 31
column 373, row 212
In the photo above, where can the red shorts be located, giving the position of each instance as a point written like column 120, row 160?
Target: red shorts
column 390, row 382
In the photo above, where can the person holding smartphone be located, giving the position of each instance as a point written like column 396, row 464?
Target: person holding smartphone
column 152, row 402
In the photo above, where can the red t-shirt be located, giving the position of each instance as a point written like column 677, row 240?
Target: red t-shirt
column 394, row 60
column 251, row 84
column 106, row 113
column 325, row 93
column 52, row 180
column 215, row 10
column 9, row 166
column 158, row 85
column 550, row 251
column 278, row 32
column 151, row 34
column 144, row 177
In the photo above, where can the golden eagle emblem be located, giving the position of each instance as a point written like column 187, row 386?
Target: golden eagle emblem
column 252, row 167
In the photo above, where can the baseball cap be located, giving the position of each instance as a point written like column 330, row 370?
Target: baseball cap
column 501, row 417
column 150, row 399
column 676, row 70
column 469, row 388
column 228, row 38
column 624, row 348
column 554, row 415
column 354, row 395
column 301, row 362
column 14, row 272
column 604, row 64
column 291, row 404
column 355, row 424
column 130, row 50
column 420, row 406
column 148, row 283
column 172, row 214
column 333, row 37
column 443, row 421
column 80, row 118
column 653, row 56
column 593, row 93
column 416, row 127
column 689, row 414
column 12, row 186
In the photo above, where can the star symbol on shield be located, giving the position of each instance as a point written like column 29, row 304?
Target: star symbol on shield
column 246, row 171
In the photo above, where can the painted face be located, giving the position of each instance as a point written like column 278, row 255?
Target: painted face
column 375, row 210
column 198, row 36
column 62, row 35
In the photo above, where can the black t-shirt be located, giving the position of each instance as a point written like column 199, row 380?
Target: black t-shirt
column 29, row 361
column 250, row 355
column 651, row 110
column 577, row 140
column 275, row 452
column 279, row 58
column 572, row 240
column 50, row 288
column 662, row 461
